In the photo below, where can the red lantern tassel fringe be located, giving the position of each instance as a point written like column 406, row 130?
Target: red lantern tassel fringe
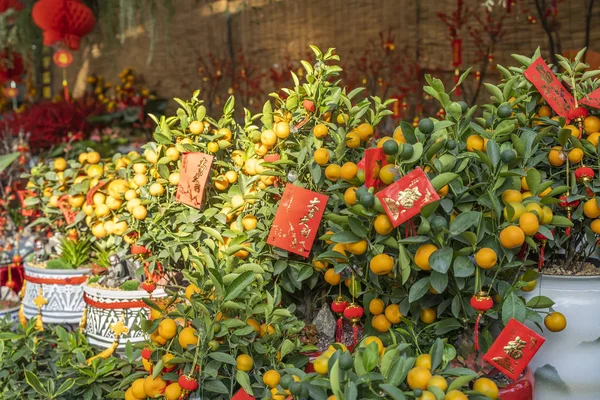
column 541, row 259
column 355, row 331
column 339, row 330
column 476, row 333
column 410, row 229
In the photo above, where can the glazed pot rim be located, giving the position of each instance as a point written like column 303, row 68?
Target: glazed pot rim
column 122, row 294
column 579, row 277
column 62, row 272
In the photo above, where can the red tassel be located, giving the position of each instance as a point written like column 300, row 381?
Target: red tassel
column 521, row 254
column 355, row 331
column 476, row 339
column 339, row 330
column 541, row 259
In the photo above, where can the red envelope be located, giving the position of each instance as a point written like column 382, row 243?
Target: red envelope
column 195, row 169
column 24, row 194
column 297, row 220
column 65, row 208
column 361, row 164
column 550, row 87
column 375, row 158
column 513, row 349
column 592, row 99
column 242, row 395
column 404, row 198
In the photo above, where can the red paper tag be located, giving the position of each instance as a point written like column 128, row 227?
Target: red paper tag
column 297, row 220
column 550, row 88
column 89, row 198
column 242, row 395
column 25, row 194
column 195, row 168
column 513, row 349
column 375, row 158
column 456, row 52
column 592, row 99
column 397, row 107
column 272, row 157
column 65, row 208
column 361, row 164
column 404, row 199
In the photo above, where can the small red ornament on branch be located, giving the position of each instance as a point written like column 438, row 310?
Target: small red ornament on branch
column 481, row 302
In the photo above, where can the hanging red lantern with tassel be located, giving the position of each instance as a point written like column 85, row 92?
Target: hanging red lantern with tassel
column 338, row 306
column 584, row 174
column 481, row 302
column 64, row 21
column 354, row 313
column 577, row 115
column 569, row 206
column 543, row 241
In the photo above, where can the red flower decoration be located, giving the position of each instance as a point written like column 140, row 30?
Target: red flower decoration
column 584, row 174
column 63, row 20
column 187, row 383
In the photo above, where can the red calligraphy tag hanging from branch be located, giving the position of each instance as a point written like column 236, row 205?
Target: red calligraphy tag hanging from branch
column 23, row 195
column 374, row 159
column 405, row 198
column 513, row 349
column 397, row 107
column 297, row 220
column 592, row 99
column 195, row 168
column 555, row 94
column 65, row 209
column 456, row 53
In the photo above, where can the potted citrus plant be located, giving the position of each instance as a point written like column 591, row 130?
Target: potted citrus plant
column 567, row 258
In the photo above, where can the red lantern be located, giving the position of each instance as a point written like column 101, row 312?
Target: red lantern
column 481, row 302
column 149, row 286
column 584, row 174
column 338, row 306
column 187, row 383
column 63, row 20
column 146, row 353
column 354, row 313
column 62, row 58
column 11, row 92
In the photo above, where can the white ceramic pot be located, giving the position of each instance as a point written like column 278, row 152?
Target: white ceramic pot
column 106, row 307
column 566, row 367
column 12, row 313
column 62, row 289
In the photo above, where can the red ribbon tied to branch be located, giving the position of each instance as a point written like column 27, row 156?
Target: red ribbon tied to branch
column 555, row 94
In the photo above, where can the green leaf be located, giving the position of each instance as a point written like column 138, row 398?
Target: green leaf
column 239, row 284
column 463, row 267
column 200, row 113
column 443, row 179
column 460, row 381
column 371, row 357
column 513, row 307
column 35, row 383
column 8, row 159
column 447, row 325
column 493, row 152
column 495, row 91
column 439, row 281
column 287, row 347
column 334, row 380
column 267, row 115
column 357, row 227
column 441, row 260
column 437, row 351
column 533, row 180
column 215, row 386
column 64, row 388
column 559, row 221
column 244, row 380
column 345, row 237
column 540, row 302
column 222, row 357
column 418, row 289
column 464, row 221
column 387, row 361
column 393, row 391
column 212, row 232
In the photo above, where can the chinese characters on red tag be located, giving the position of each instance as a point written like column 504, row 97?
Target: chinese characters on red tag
column 195, row 168
column 405, row 198
column 513, row 349
column 297, row 220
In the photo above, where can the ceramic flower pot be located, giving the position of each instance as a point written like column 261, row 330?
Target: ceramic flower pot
column 563, row 367
column 107, row 307
column 521, row 389
column 60, row 292
column 12, row 313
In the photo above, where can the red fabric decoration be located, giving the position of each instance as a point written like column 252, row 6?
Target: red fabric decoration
column 11, row 67
column 6, row 4
column 584, row 174
column 354, row 313
column 63, row 20
column 62, row 58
